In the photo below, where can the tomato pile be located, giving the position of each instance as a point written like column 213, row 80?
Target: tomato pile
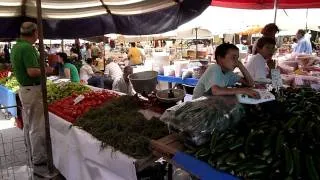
column 66, row 109
column 4, row 74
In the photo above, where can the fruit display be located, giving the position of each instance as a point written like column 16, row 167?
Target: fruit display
column 275, row 140
column 118, row 124
column 69, row 110
column 62, row 90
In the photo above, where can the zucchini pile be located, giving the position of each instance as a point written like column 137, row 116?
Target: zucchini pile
column 275, row 140
column 197, row 119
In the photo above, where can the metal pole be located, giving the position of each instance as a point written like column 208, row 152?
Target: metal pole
column 307, row 13
column 196, row 43
column 44, row 89
column 275, row 8
column 62, row 45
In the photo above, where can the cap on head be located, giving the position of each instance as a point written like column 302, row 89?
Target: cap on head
column 28, row 28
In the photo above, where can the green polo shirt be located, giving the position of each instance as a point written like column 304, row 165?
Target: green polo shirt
column 24, row 56
column 74, row 75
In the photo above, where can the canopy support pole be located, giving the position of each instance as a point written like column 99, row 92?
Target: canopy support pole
column 62, row 45
column 275, row 8
column 307, row 13
column 44, row 94
column 196, row 43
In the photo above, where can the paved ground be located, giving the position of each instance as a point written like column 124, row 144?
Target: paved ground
column 13, row 154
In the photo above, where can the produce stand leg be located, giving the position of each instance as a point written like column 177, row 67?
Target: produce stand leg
column 170, row 171
column 169, row 85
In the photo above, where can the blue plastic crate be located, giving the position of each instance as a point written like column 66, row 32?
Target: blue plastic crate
column 8, row 98
column 179, row 80
column 199, row 168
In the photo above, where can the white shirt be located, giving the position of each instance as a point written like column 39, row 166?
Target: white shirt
column 120, row 85
column 86, row 73
column 113, row 70
column 257, row 67
column 88, row 53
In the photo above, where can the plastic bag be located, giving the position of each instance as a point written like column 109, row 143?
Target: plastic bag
column 197, row 119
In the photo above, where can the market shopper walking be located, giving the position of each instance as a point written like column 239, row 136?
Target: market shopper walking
column 26, row 66
column 135, row 55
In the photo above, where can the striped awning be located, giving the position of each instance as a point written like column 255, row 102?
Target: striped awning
column 67, row 9
column 86, row 18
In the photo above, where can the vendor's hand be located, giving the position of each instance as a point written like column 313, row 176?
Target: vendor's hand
column 252, row 93
column 271, row 64
column 238, row 63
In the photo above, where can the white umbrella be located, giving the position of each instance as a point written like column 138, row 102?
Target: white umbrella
column 194, row 33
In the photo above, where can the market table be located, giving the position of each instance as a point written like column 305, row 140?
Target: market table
column 78, row 155
column 8, row 99
column 178, row 80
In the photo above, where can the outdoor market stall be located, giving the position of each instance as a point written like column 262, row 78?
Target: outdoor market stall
column 77, row 153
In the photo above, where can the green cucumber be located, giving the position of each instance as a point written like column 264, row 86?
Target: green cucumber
column 255, row 174
column 312, row 172
column 248, row 141
column 213, row 142
column 296, row 160
column 202, row 153
column 291, row 122
column 288, row 160
column 279, row 143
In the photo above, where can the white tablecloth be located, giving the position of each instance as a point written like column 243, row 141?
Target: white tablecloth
column 78, row 156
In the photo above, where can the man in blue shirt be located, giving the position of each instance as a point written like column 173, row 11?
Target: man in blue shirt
column 304, row 44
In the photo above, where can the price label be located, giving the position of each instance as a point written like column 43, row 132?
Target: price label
column 276, row 78
column 9, row 73
column 78, row 99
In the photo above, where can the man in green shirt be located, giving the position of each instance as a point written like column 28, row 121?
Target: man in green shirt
column 25, row 62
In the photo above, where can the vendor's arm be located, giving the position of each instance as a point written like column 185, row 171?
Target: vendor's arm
column 67, row 73
column 220, row 91
column 247, row 80
column 90, row 71
column 36, row 72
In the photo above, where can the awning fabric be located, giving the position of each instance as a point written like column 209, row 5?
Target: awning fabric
column 86, row 18
column 266, row 4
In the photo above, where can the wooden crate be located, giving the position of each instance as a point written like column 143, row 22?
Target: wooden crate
column 167, row 146
column 164, row 147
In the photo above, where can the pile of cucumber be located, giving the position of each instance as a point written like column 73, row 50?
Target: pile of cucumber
column 275, row 140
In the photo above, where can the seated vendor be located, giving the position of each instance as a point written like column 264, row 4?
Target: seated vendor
column 112, row 72
column 86, row 71
column 70, row 70
column 261, row 63
column 123, row 84
column 218, row 77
